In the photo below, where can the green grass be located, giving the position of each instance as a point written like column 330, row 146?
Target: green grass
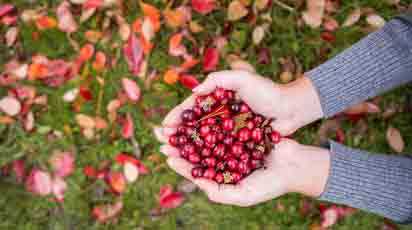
column 20, row 210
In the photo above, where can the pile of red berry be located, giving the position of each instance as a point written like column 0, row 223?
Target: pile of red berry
column 223, row 138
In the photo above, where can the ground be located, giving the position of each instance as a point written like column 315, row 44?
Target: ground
column 285, row 38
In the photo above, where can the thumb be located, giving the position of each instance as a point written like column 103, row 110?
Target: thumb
column 284, row 127
column 226, row 79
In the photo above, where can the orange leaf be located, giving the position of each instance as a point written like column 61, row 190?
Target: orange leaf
column 99, row 62
column 189, row 63
column 137, row 25
column 147, row 45
column 86, row 52
column 153, row 13
column 46, row 22
column 37, row 70
column 174, row 18
column 171, row 76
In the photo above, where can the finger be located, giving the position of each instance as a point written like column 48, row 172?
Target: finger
column 181, row 166
column 225, row 79
column 173, row 117
column 169, row 151
column 284, row 127
column 159, row 134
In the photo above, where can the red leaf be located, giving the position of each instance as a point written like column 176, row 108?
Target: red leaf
column 133, row 52
column 165, row 190
column 104, row 213
column 169, row 199
column 122, row 158
column 86, row 52
column 128, row 127
column 131, row 88
column 203, row 6
column 210, row 59
column 39, row 182
column 189, row 81
column 89, row 171
column 62, row 163
column 19, row 170
column 5, row 9
column 329, row 216
column 116, row 181
column 85, row 93
column 9, row 20
column 89, row 4
column 328, row 37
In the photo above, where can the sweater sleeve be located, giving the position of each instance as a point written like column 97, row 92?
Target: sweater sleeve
column 377, row 183
column 377, row 63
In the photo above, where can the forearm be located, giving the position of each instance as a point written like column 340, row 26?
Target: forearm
column 377, row 183
column 377, row 63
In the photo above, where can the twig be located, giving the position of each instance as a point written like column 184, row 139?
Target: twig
column 284, row 6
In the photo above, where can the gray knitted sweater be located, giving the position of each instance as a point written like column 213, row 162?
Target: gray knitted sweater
column 378, row 183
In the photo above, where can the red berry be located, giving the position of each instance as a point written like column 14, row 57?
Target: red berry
column 244, row 157
column 250, row 145
column 244, row 108
column 199, row 142
column 190, row 131
column 204, row 130
column 257, row 134
column 198, row 111
column 219, row 94
column 199, row 100
column 209, row 173
column 235, row 108
column 206, row 152
column 190, row 123
column 194, row 158
column 228, row 124
column 250, row 124
column 188, row 115
column 236, row 177
column 211, row 138
column 244, row 168
column 257, row 155
column 219, row 151
column 225, row 113
column 197, row 172
column 210, row 121
column 275, row 137
column 181, row 130
column 189, row 148
column 255, row 164
column 173, row 140
column 220, row 166
column 219, row 178
column 181, row 140
column 243, row 134
column 232, row 164
column 220, row 136
column 237, row 149
column 228, row 140
column 209, row 162
column 210, row 145
column 230, row 95
column 258, row 119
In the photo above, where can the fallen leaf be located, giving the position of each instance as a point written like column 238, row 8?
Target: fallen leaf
column 70, row 95
column 10, row 106
column 188, row 81
column 62, row 163
column 105, row 213
column 314, row 14
column 128, row 127
column 59, row 187
column 174, row 18
column 122, row 158
column 93, row 36
column 376, row 21
column 45, row 22
column 5, row 9
column 394, row 139
column 352, row 18
column 210, row 59
column 131, row 88
column 363, row 108
column 130, row 172
column 85, row 121
column 99, row 62
column 152, row 13
column 11, row 36
column 86, row 52
column 39, row 182
column 66, row 22
column 203, row 6
column 258, row 34
column 329, row 216
column 116, row 181
column 133, row 52
column 19, row 170
column 175, row 45
column 28, row 122
column 169, row 199
column 171, row 76
column 236, row 10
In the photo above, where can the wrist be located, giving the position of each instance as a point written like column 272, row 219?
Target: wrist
column 304, row 101
column 309, row 170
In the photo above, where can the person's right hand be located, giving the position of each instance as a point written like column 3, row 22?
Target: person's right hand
column 292, row 105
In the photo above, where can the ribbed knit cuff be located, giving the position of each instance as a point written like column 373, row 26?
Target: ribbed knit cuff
column 377, row 183
column 375, row 64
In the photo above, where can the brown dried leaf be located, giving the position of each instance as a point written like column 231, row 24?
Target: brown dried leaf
column 352, row 18
column 394, row 139
column 240, row 120
column 236, row 11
